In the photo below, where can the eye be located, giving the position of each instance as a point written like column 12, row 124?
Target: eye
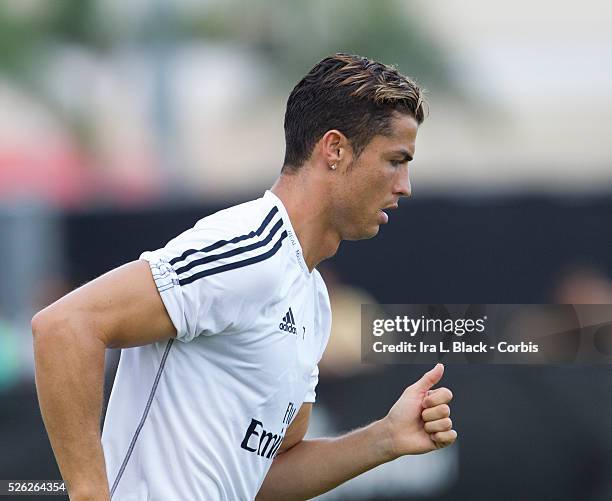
column 396, row 163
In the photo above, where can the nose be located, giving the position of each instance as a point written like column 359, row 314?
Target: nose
column 402, row 186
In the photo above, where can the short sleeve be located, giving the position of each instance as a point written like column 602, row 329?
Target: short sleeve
column 206, row 283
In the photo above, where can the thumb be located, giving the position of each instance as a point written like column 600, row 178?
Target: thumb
column 430, row 378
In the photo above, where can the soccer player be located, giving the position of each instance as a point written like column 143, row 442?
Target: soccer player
column 222, row 328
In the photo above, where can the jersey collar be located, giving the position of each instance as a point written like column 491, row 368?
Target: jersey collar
column 292, row 237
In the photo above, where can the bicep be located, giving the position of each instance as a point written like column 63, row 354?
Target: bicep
column 122, row 308
column 298, row 428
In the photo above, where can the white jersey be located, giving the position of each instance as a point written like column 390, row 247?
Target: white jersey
column 201, row 417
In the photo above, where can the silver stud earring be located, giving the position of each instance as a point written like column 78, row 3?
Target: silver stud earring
column 333, row 167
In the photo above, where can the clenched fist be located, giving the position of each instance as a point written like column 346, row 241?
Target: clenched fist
column 420, row 421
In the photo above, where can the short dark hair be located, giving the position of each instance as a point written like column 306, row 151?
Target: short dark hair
column 353, row 94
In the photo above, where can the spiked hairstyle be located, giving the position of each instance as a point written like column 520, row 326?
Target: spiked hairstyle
column 352, row 94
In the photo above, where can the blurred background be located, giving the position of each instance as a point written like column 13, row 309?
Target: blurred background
column 123, row 123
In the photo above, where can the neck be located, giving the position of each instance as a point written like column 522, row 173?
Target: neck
column 308, row 208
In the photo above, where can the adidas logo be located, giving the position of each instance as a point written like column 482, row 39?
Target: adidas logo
column 288, row 323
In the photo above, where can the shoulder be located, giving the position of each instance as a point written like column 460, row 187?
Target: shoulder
column 238, row 246
column 237, row 225
column 241, row 216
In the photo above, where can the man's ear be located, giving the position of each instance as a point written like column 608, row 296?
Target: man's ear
column 334, row 148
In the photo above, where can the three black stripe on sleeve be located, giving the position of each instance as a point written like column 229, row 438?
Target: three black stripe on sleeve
column 233, row 252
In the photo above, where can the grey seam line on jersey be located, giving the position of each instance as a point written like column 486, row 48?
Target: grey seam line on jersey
column 144, row 416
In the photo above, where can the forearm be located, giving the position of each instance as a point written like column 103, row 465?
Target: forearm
column 69, row 382
column 313, row 467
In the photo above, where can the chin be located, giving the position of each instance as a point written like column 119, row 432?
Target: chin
column 363, row 233
column 374, row 232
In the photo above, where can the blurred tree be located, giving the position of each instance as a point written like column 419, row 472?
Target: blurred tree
column 294, row 34
column 30, row 32
column 290, row 35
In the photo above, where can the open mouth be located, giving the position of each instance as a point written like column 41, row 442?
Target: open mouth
column 383, row 214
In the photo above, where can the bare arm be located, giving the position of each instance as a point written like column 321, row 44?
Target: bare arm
column 418, row 422
column 312, row 467
column 119, row 309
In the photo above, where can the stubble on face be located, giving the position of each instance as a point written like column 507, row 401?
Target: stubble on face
column 372, row 183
